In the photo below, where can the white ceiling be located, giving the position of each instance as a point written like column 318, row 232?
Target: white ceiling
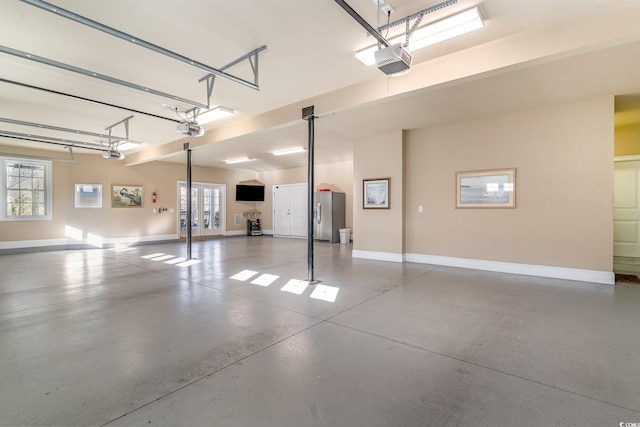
column 529, row 53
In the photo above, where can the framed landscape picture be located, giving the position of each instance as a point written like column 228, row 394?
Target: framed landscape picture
column 127, row 196
column 494, row 188
column 88, row 196
column 375, row 193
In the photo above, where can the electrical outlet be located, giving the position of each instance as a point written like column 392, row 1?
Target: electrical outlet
column 420, row 209
column 387, row 9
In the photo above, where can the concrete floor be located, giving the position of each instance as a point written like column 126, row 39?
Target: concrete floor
column 105, row 337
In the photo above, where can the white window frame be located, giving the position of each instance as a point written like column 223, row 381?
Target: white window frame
column 48, row 184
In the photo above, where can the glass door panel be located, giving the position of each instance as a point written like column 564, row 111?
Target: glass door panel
column 207, row 210
column 211, row 213
column 195, row 223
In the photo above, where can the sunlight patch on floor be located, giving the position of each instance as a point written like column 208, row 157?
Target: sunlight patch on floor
column 171, row 259
column 325, row 293
column 244, row 275
column 265, row 280
column 189, row 262
column 162, row 258
column 295, row 286
column 157, row 254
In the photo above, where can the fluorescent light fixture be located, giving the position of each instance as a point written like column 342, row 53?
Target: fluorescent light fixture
column 430, row 34
column 238, row 160
column 128, row 145
column 214, row 114
column 289, row 151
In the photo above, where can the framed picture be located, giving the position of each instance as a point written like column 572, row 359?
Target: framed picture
column 88, row 196
column 127, row 196
column 494, row 188
column 375, row 194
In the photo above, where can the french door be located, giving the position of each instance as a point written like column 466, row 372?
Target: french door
column 207, row 209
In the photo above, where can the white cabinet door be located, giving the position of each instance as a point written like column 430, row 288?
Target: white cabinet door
column 298, row 204
column 281, row 211
column 290, row 210
column 626, row 210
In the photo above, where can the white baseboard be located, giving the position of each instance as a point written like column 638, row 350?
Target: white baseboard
column 378, row 256
column 244, row 233
column 594, row 276
column 20, row 244
column 140, row 239
column 235, row 233
column 95, row 242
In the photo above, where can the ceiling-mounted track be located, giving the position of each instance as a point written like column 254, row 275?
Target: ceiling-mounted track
column 68, row 130
column 31, row 156
column 252, row 57
column 377, row 33
column 132, row 39
column 94, row 75
column 52, row 140
column 81, row 98
column 360, row 20
column 417, row 15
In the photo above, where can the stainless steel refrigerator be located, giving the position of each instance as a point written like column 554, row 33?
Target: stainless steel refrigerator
column 329, row 215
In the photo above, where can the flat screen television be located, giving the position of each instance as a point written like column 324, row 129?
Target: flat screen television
column 249, row 193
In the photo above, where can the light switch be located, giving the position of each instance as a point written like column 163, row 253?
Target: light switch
column 420, row 209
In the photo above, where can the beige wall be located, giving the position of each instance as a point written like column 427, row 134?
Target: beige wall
column 335, row 176
column 564, row 160
column 161, row 177
column 108, row 222
column 627, row 140
column 379, row 230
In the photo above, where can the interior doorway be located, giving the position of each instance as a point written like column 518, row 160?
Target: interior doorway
column 626, row 215
column 207, row 209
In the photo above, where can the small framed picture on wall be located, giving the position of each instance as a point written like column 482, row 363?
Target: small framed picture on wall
column 495, row 188
column 375, row 193
column 127, row 196
column 88, row 196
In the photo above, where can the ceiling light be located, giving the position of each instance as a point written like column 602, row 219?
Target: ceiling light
column 289, row 151
column 214, row 114
column 238, row 160
column 128, row 145
column 433, row 33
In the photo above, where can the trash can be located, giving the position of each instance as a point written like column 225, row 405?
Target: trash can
column 345, row 235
